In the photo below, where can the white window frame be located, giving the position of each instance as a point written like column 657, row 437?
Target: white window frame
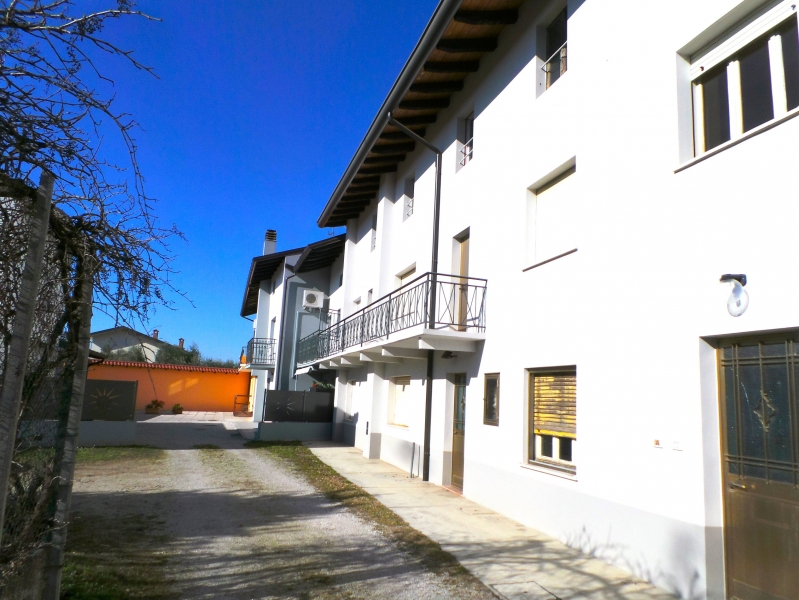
column 348, row 416
column 392, row 402
column 723, row 50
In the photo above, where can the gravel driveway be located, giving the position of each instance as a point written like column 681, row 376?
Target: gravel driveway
column 238, row 523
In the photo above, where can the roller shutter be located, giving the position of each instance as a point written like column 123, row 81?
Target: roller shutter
column 555, row 410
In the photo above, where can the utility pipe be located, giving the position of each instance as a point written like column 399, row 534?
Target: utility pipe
column 278, row 365
column 431, row 318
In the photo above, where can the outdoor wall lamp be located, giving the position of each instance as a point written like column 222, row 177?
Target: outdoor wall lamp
column 738, row 301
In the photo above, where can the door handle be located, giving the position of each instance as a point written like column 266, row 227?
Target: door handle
column 737, row 486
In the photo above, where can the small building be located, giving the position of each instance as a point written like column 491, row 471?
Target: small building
column 123, row 339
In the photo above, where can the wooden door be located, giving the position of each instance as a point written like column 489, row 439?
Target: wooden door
column 760, row 431
column 458, row 431
column 463, row 289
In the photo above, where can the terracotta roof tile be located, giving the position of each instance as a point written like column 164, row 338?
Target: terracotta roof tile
column 195, row 368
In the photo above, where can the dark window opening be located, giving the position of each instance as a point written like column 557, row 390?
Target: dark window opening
column 758, row 103
column 790, row 59
column 716, row 107
column 491, row 402
column 565, row 449
column 546, row 446
column 556, row 49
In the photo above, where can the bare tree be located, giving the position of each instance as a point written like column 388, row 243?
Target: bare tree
column 103, row 244
column 53, row 115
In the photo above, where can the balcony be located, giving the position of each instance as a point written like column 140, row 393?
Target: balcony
column 401, row 320
column 260, row 353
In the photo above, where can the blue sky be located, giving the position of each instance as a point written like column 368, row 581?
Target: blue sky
column 257, row 109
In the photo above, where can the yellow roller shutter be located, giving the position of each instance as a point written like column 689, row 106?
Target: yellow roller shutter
column 555, row 410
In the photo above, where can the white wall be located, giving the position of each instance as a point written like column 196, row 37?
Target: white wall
column 629, row 309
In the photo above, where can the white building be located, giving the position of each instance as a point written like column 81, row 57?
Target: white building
column 596, row 203
column 282, row 318
column 124, row 339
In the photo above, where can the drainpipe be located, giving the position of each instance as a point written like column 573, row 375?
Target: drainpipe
column 431, row 317
column 278, row 375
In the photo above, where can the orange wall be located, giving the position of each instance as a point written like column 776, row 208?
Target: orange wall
column 194, row 390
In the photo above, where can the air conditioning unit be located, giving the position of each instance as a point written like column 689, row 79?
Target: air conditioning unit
column 312, row 299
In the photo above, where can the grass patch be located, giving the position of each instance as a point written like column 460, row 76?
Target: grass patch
column 115, row 558
column 340, row 489
column 109, row 453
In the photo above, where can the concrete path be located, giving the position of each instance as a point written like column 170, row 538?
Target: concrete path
column 515, row 561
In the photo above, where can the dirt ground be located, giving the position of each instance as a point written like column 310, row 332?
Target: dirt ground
column 231, row 522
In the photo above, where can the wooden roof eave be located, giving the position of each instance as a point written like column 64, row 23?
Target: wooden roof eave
column 441, row 19
column 444, row 56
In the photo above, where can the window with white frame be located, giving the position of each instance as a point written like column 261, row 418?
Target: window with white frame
column 746, row 80
column 553, row 419
column 552, row 219
column 400, row 402
column 374, row 231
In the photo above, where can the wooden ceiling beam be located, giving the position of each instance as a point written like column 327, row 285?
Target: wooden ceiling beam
column 417, row 120
column 358, row 197
column 371, row 160
column 365, row 180
column 437, row 87
column 424, row 104
column 400, row 135
column 362, row 189
column 487, row 17
column 462, row 45
column 462, row 66
column 404, row 147
column 378, row 169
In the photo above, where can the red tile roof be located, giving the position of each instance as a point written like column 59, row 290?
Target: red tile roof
column 126, row 363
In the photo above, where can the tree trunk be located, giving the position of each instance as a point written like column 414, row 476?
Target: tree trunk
column 67, row 453
column 16, row 361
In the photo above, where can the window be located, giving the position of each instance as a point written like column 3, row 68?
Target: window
column 555, row 64
column 399, row 402
column 348, row 416
column 747, row 80
column 467, row 145
column 553, row 419
column 491, row 399
column 552, row 215
column 374, row 231
column 407, row 199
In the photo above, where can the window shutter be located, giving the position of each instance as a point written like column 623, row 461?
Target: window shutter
column 555, row 411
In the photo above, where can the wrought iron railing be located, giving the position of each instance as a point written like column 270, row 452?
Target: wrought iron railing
column 555, row 65
column 460, row 305
column 261, row 352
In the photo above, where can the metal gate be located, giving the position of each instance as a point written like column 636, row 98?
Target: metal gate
column 760, row 431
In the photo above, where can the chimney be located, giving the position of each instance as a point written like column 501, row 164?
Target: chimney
column 155, row 333
column 270, row 241
column 180, row 343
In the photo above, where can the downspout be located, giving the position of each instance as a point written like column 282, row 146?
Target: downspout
column 431, row 317
column 278, row 377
